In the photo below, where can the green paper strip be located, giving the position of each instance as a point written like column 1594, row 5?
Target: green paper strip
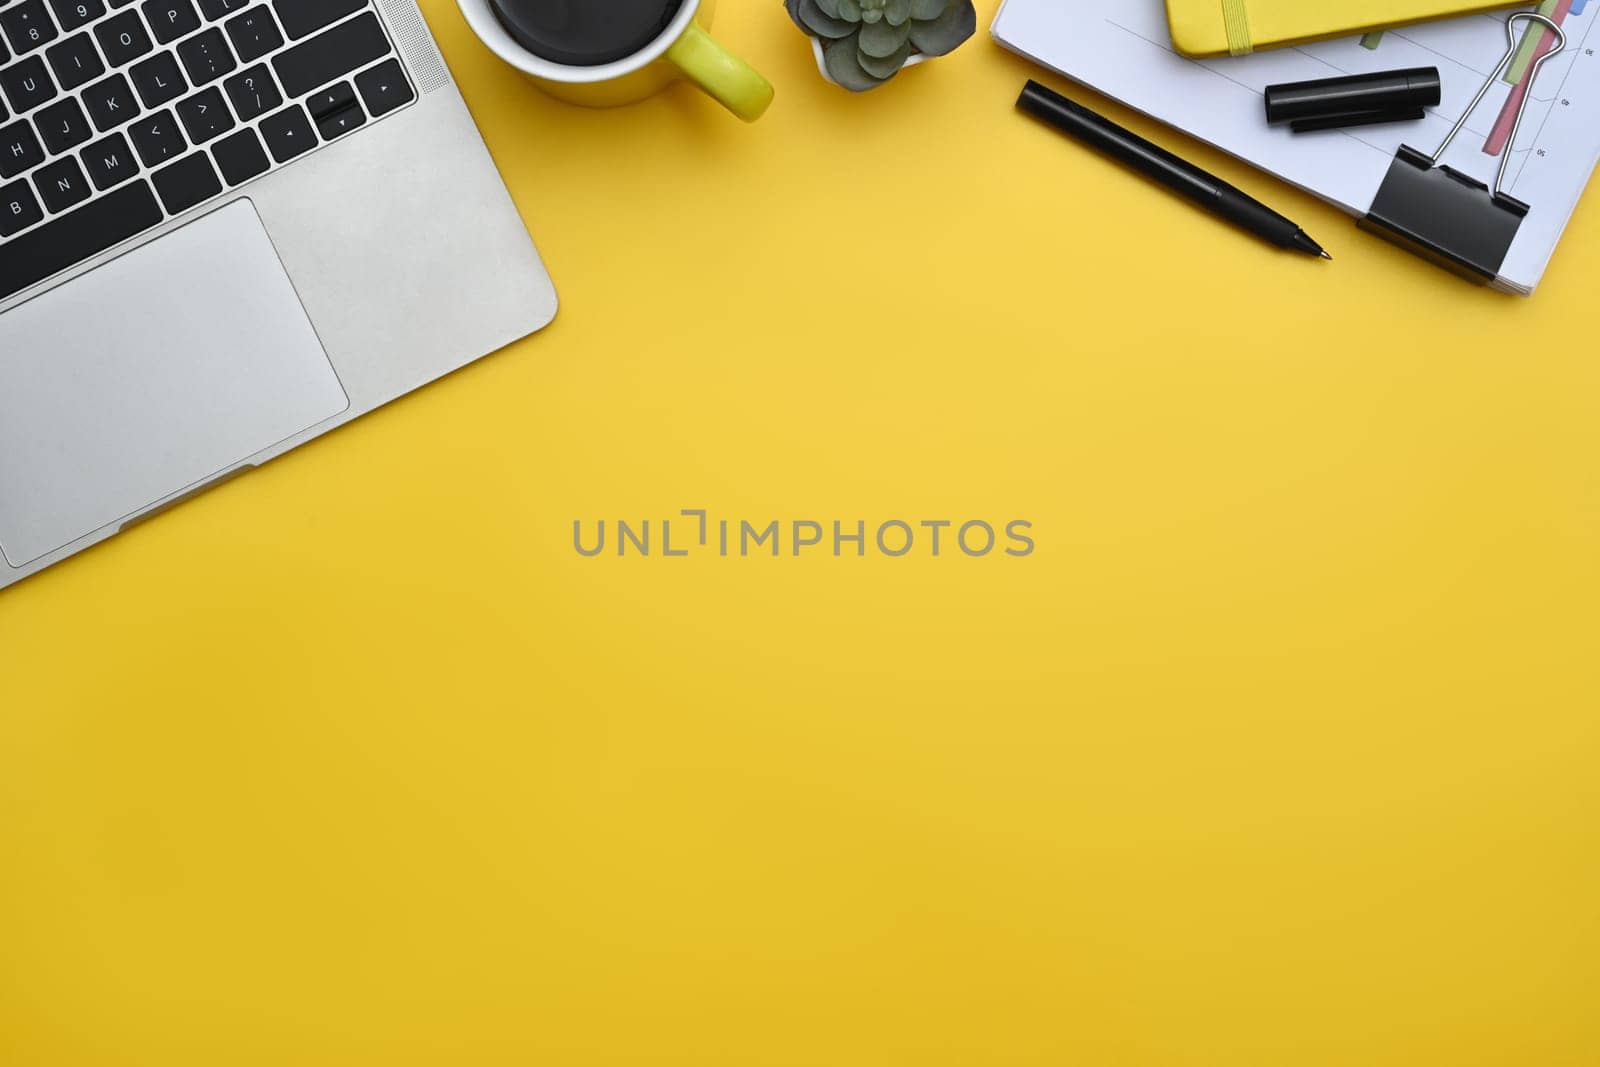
column 1532, row 38
column 1236, row 22
column 1372, row 40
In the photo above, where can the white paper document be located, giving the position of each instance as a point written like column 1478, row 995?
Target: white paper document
column 1124, row 50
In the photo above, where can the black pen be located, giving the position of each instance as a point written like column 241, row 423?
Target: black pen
column 1209, row 192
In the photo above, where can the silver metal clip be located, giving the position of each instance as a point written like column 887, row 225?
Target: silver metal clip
column 1505, row 63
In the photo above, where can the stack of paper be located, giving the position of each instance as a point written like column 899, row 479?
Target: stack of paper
column 1125, row 50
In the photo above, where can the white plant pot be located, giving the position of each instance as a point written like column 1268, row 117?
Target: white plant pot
column 822, row 63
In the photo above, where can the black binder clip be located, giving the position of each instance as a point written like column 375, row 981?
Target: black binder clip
column 1449, row 217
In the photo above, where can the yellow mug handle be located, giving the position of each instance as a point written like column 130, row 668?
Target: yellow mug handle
column 729, row 79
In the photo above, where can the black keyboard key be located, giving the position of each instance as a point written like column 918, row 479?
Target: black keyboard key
column 157, row 138
column 384, row 88
column 110, row 161
column 254, row 34
column 338, row 123
column 253, row 92
column 77, row 235
column 27, row 25
column 123, row 38
column 240, row 157
column 190, row 181
column 333, row 98
column 76, row 61
column 63, row 125
column 26, row 84
column 342, row 50
column 73, row 14
column 62, row 185
column 19, row 150
column 158, row 80
column 216, row 9
column 206, row 57
column 205, row 116
column 18, row 210
column 110, row 102
column 170, row 19
column 288, row 133
column 302, row 17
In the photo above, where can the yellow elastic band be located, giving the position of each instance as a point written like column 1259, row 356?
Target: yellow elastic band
column 1237, row 24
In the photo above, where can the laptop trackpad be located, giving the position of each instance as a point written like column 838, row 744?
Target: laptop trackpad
column 149, row 376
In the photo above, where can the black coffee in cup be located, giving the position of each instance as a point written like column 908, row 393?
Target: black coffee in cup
column 585, row 33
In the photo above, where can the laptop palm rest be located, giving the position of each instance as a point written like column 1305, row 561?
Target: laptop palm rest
column 150, row 376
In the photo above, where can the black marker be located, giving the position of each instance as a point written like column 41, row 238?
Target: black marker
column 1209, row 192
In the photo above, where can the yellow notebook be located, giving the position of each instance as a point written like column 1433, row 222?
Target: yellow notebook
column 1234, row 27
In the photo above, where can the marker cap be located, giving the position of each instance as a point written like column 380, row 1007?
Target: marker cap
column 1357, row 100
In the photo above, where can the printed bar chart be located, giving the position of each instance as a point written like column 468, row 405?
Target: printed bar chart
column 1536, row 42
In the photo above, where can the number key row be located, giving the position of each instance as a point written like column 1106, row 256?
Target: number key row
column 27, row 25
column 73, row 14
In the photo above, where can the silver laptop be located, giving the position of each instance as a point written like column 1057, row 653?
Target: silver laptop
column 226, row 227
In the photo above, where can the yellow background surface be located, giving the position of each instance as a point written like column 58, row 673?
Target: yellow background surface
column 1280, row 749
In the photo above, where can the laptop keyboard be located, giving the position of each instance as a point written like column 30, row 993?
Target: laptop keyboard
column 116, row 115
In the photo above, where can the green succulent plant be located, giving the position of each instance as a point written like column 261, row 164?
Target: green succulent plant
column 866, row 42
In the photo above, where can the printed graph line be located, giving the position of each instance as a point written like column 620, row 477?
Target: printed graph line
column 1374, row 40
column 1352, row 134
column 1252, row 90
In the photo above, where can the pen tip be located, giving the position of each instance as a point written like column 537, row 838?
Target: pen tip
column 1302, row 243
